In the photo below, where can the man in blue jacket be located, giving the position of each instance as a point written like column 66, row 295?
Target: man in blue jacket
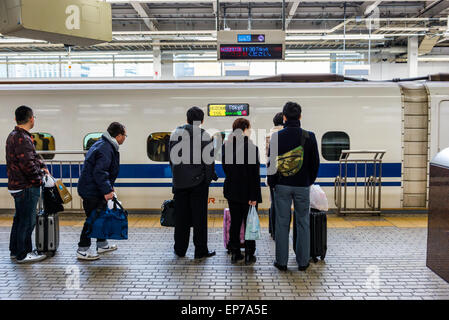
column 96, row 183
column 291, row 180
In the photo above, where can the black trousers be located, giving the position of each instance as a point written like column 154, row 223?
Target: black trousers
column 239, row 213
column 272, row 215
column 89, row 204
column 191, row 210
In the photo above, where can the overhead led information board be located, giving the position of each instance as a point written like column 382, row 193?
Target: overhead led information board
column 251, row 45
column 251, row 52
column 228, row 110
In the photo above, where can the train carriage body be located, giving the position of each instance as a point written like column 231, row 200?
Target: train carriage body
column 371, row 115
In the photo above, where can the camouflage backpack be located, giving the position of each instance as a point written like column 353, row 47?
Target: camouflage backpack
column 289, row 163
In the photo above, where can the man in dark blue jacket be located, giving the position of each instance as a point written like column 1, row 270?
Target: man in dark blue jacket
column 96, row 183
column 291, row 184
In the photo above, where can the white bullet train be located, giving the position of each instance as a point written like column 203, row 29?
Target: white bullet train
column 407, row 119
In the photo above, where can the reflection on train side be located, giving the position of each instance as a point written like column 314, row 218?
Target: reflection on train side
column 157, row 146
column 332, row 143
column 90, row 139
column 44, row 142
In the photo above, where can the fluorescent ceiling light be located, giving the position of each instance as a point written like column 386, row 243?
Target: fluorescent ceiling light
column 195, row 32
column 231, row 1
column 20, row 40
column 339, row 37
column 434, row 59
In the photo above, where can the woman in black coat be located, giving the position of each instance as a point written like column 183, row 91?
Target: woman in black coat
column 240, row 159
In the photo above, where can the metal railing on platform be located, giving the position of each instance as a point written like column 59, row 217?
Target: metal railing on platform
column 66, row 170
column 370, row 163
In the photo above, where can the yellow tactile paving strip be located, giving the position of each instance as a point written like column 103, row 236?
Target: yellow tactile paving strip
column 216, row 221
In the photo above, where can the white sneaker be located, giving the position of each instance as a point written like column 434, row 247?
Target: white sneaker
column 107, row 249
column 32, row 257
column 86, row 255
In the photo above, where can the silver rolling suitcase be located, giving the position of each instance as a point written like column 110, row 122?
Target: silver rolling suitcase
column 47, row 231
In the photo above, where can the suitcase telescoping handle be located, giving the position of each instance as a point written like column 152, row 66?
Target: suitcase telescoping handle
column 41, row 200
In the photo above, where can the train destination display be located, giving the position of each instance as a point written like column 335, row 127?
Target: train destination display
column 251, row 38
column 228, row 110
column 263, row 51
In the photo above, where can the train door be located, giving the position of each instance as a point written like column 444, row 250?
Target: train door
column 443, row 126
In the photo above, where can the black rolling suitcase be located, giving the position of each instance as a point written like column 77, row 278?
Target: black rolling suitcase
column 318, row 234
column 47, row 225
column 47, row 233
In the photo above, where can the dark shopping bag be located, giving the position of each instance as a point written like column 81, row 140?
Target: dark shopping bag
column 105, row 223
column 52, row 200
column 168, row 213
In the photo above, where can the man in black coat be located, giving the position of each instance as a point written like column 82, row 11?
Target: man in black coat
column 193, row 170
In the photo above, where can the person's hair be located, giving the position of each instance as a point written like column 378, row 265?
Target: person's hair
column 240, row 123
column 292, row 111
column 278, row 120
column 115, row 129
column 23, row 114
column 195, row 114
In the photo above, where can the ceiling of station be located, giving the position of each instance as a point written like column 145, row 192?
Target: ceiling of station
column 192, row 24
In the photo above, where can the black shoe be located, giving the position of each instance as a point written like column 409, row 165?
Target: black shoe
column 250, row 259
column 236, row 257
column 303, row 268
column 205, row 255
column 280, row 267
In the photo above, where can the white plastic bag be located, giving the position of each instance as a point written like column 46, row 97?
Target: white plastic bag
column 318, row 199
column 111, row 203
column 252, row 231
column 49, row 181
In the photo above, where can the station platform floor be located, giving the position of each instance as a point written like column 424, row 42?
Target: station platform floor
column 368, row 258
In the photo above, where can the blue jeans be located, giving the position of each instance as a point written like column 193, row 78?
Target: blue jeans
column 20, row 243
column 284, row 195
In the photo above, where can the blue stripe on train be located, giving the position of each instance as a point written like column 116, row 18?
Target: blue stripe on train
column 214, row 184
column 157, row 171
column 220, row 184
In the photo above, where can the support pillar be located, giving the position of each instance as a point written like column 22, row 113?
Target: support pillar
column 412, row 56
column 167, row 66
column 7, row 67
column 157, row 62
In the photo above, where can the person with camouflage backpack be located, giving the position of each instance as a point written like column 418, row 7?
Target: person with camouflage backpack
column 293, row 167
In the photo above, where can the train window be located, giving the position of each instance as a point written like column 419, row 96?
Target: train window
column 44, row 142
column 219, row 138
column 332, row 143
column 90, row 139
column 157, row 146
